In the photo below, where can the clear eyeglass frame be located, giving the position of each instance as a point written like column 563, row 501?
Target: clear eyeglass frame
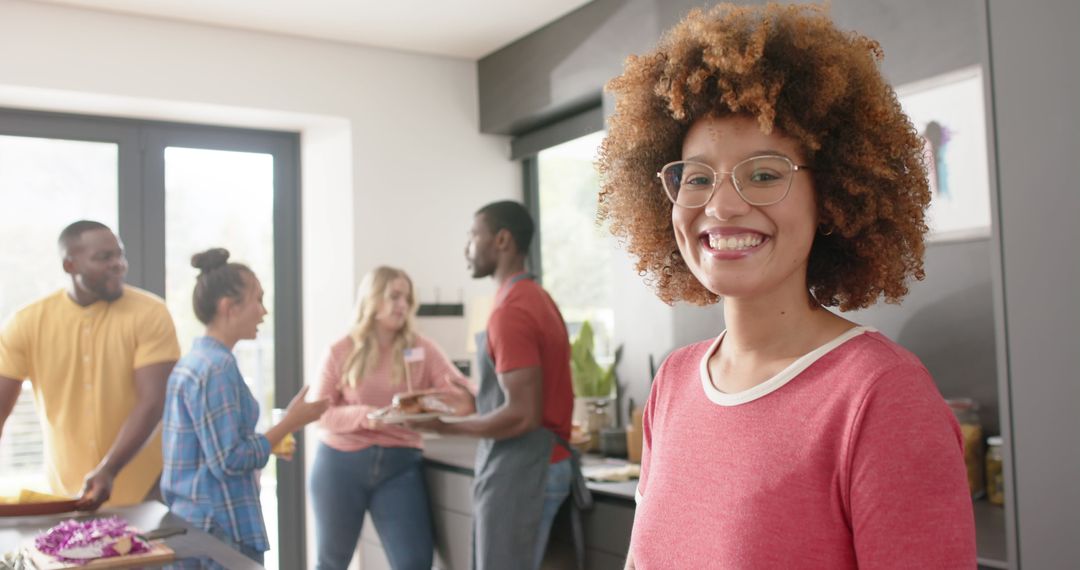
column 672, row 194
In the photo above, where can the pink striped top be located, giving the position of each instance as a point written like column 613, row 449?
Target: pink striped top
column 345, row 426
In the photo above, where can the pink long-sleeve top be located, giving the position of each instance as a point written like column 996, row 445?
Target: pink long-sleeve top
column 345, row 425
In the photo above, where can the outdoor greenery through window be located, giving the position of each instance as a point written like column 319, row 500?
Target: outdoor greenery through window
column 576, row 252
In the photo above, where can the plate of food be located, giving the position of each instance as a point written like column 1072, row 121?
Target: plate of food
column 415, row 407
column 458, row 419
column 32, row 503
column 389, row 417
column 104, row 542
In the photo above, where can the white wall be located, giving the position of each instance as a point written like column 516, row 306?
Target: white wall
column 393, row 164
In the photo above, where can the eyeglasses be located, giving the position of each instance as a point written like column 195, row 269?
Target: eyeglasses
column 759, row 180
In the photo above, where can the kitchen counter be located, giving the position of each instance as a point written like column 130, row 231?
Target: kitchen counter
column 195, row 546
column 457, row 454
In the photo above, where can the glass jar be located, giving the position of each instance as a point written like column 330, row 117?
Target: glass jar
column 966, row 411
column 592, row 416
column 995, row 479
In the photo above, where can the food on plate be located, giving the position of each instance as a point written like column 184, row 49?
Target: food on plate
column 73, row 541
column 424, row 403
column 417, row 403
column 614, row 474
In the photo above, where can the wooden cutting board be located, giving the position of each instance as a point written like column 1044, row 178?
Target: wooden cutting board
column 159, row 553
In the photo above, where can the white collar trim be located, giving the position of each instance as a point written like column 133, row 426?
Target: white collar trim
column 776, row 382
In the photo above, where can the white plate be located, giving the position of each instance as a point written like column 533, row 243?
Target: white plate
column 458, row 419
column 400, row 419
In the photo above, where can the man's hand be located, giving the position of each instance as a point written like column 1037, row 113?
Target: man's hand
column 432, row 426
column 150, row 383
column 520, row 413
column 96, row 490
column 460, row 398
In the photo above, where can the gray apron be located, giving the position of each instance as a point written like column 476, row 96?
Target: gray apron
column 508, row 491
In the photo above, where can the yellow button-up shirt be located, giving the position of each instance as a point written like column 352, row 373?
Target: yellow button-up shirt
column 81, row 362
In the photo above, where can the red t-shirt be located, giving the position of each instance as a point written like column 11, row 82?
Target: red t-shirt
column 525, row 330
column 849, row 458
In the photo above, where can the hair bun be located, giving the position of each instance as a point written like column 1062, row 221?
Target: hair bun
column 210, row 259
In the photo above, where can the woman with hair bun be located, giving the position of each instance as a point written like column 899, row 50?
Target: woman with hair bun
column 366, row 466
column 757, row 158
column 211, row 450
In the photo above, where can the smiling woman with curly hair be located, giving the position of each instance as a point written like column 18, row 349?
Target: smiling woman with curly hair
column 758, row 157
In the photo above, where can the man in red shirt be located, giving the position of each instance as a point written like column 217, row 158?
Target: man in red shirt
column 525, row 400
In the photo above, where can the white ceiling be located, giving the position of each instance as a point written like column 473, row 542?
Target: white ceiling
column 467, row 29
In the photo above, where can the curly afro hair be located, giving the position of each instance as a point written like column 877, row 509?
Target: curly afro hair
column 793, row 70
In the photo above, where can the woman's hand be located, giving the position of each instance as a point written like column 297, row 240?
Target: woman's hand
column 286, row 448
column 301, row 412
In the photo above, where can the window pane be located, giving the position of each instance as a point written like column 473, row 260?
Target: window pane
column 45, row 184
column 576, row 252
column 225, row 199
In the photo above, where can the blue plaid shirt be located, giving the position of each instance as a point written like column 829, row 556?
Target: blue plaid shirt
column 212, row 453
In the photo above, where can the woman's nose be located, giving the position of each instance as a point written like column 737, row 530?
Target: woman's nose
column 726, row 203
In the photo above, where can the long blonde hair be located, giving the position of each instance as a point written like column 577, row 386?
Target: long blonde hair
column 365, row 354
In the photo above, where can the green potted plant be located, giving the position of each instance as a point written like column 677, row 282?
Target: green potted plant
column 594, row 386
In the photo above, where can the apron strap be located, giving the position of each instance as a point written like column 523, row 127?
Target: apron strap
column 505, row 290
column 580, row 500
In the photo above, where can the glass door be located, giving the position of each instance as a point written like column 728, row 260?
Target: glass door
column 220, row 187
column 216, row 198
column 171, row 190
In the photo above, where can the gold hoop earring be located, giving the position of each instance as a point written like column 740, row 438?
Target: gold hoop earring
column 828, row 233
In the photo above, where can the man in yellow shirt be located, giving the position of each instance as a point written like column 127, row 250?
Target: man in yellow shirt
column 98, row 354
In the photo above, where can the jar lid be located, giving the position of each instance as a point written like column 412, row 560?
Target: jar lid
column 962, row 403
column 994, row 440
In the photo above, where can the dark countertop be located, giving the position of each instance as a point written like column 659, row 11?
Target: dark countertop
column 458, row 453
column 16, row 532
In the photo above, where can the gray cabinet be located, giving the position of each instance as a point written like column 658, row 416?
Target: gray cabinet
column 1036, row 87
column 451, row 507
column 607, row 536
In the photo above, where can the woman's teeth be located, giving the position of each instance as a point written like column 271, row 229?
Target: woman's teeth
column 734, row 243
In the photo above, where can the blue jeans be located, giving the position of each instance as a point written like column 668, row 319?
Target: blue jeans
column 556, row 489
column 389, row 483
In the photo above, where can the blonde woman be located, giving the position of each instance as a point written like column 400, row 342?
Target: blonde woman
column 364, row 466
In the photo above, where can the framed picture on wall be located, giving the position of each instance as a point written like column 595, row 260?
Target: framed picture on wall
column 948, row 112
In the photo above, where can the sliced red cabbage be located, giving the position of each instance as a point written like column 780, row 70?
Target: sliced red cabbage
column 102, row 531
